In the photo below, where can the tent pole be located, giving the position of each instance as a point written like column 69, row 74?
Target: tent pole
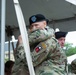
column 3, row 4
column 23, row 31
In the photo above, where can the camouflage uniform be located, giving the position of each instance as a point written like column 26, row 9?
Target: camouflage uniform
column 73, row 66
column 47, row 56
column 49, row 59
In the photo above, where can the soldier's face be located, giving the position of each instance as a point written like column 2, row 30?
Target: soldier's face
column 38, row 25
column 61, row 41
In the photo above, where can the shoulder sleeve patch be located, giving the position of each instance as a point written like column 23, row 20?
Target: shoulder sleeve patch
column 41, row 46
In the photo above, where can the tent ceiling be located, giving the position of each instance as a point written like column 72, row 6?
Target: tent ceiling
column 61, row 14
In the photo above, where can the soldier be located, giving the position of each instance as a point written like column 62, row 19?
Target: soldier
column 73, row 66
column 8, row 67
column 60, row 36
column 36, row 33
column 47, row 56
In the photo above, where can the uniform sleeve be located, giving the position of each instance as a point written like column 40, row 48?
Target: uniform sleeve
column 39, row 54
column 40, row 35
column 20, row 54
column 43, row 51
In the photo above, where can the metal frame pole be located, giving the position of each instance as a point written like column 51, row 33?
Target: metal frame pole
column 3, row 4
column 9, row 48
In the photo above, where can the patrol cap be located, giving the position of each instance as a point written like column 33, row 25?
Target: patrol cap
column 60, row 34
column 37, row 18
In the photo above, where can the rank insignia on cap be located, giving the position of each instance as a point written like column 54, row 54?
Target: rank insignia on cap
column 33, row 19
column 37, row 49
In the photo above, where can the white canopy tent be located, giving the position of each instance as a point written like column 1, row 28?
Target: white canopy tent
column 60, row 13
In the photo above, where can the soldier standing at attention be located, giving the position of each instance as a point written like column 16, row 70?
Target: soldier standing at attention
column 47, row 56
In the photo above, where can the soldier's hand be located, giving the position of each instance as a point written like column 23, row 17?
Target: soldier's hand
column 20, row 40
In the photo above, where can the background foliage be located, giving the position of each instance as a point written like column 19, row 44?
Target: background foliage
column 69, row 49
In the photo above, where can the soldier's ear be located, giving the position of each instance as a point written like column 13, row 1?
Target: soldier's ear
column 44, row 23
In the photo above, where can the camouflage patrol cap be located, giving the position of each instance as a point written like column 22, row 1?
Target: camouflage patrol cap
column 37, row 18
column 60, row 34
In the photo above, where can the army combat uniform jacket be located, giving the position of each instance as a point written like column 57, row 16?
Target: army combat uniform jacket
column 47, row 56
column 73, row 66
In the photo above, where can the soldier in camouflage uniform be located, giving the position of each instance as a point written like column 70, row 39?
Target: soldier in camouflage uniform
column 61, row 36
column 47, row 56
column 73, row 66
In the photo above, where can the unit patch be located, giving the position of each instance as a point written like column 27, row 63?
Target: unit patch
column 41, row 46
column 37, row 49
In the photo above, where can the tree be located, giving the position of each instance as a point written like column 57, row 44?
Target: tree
column 69, row 49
